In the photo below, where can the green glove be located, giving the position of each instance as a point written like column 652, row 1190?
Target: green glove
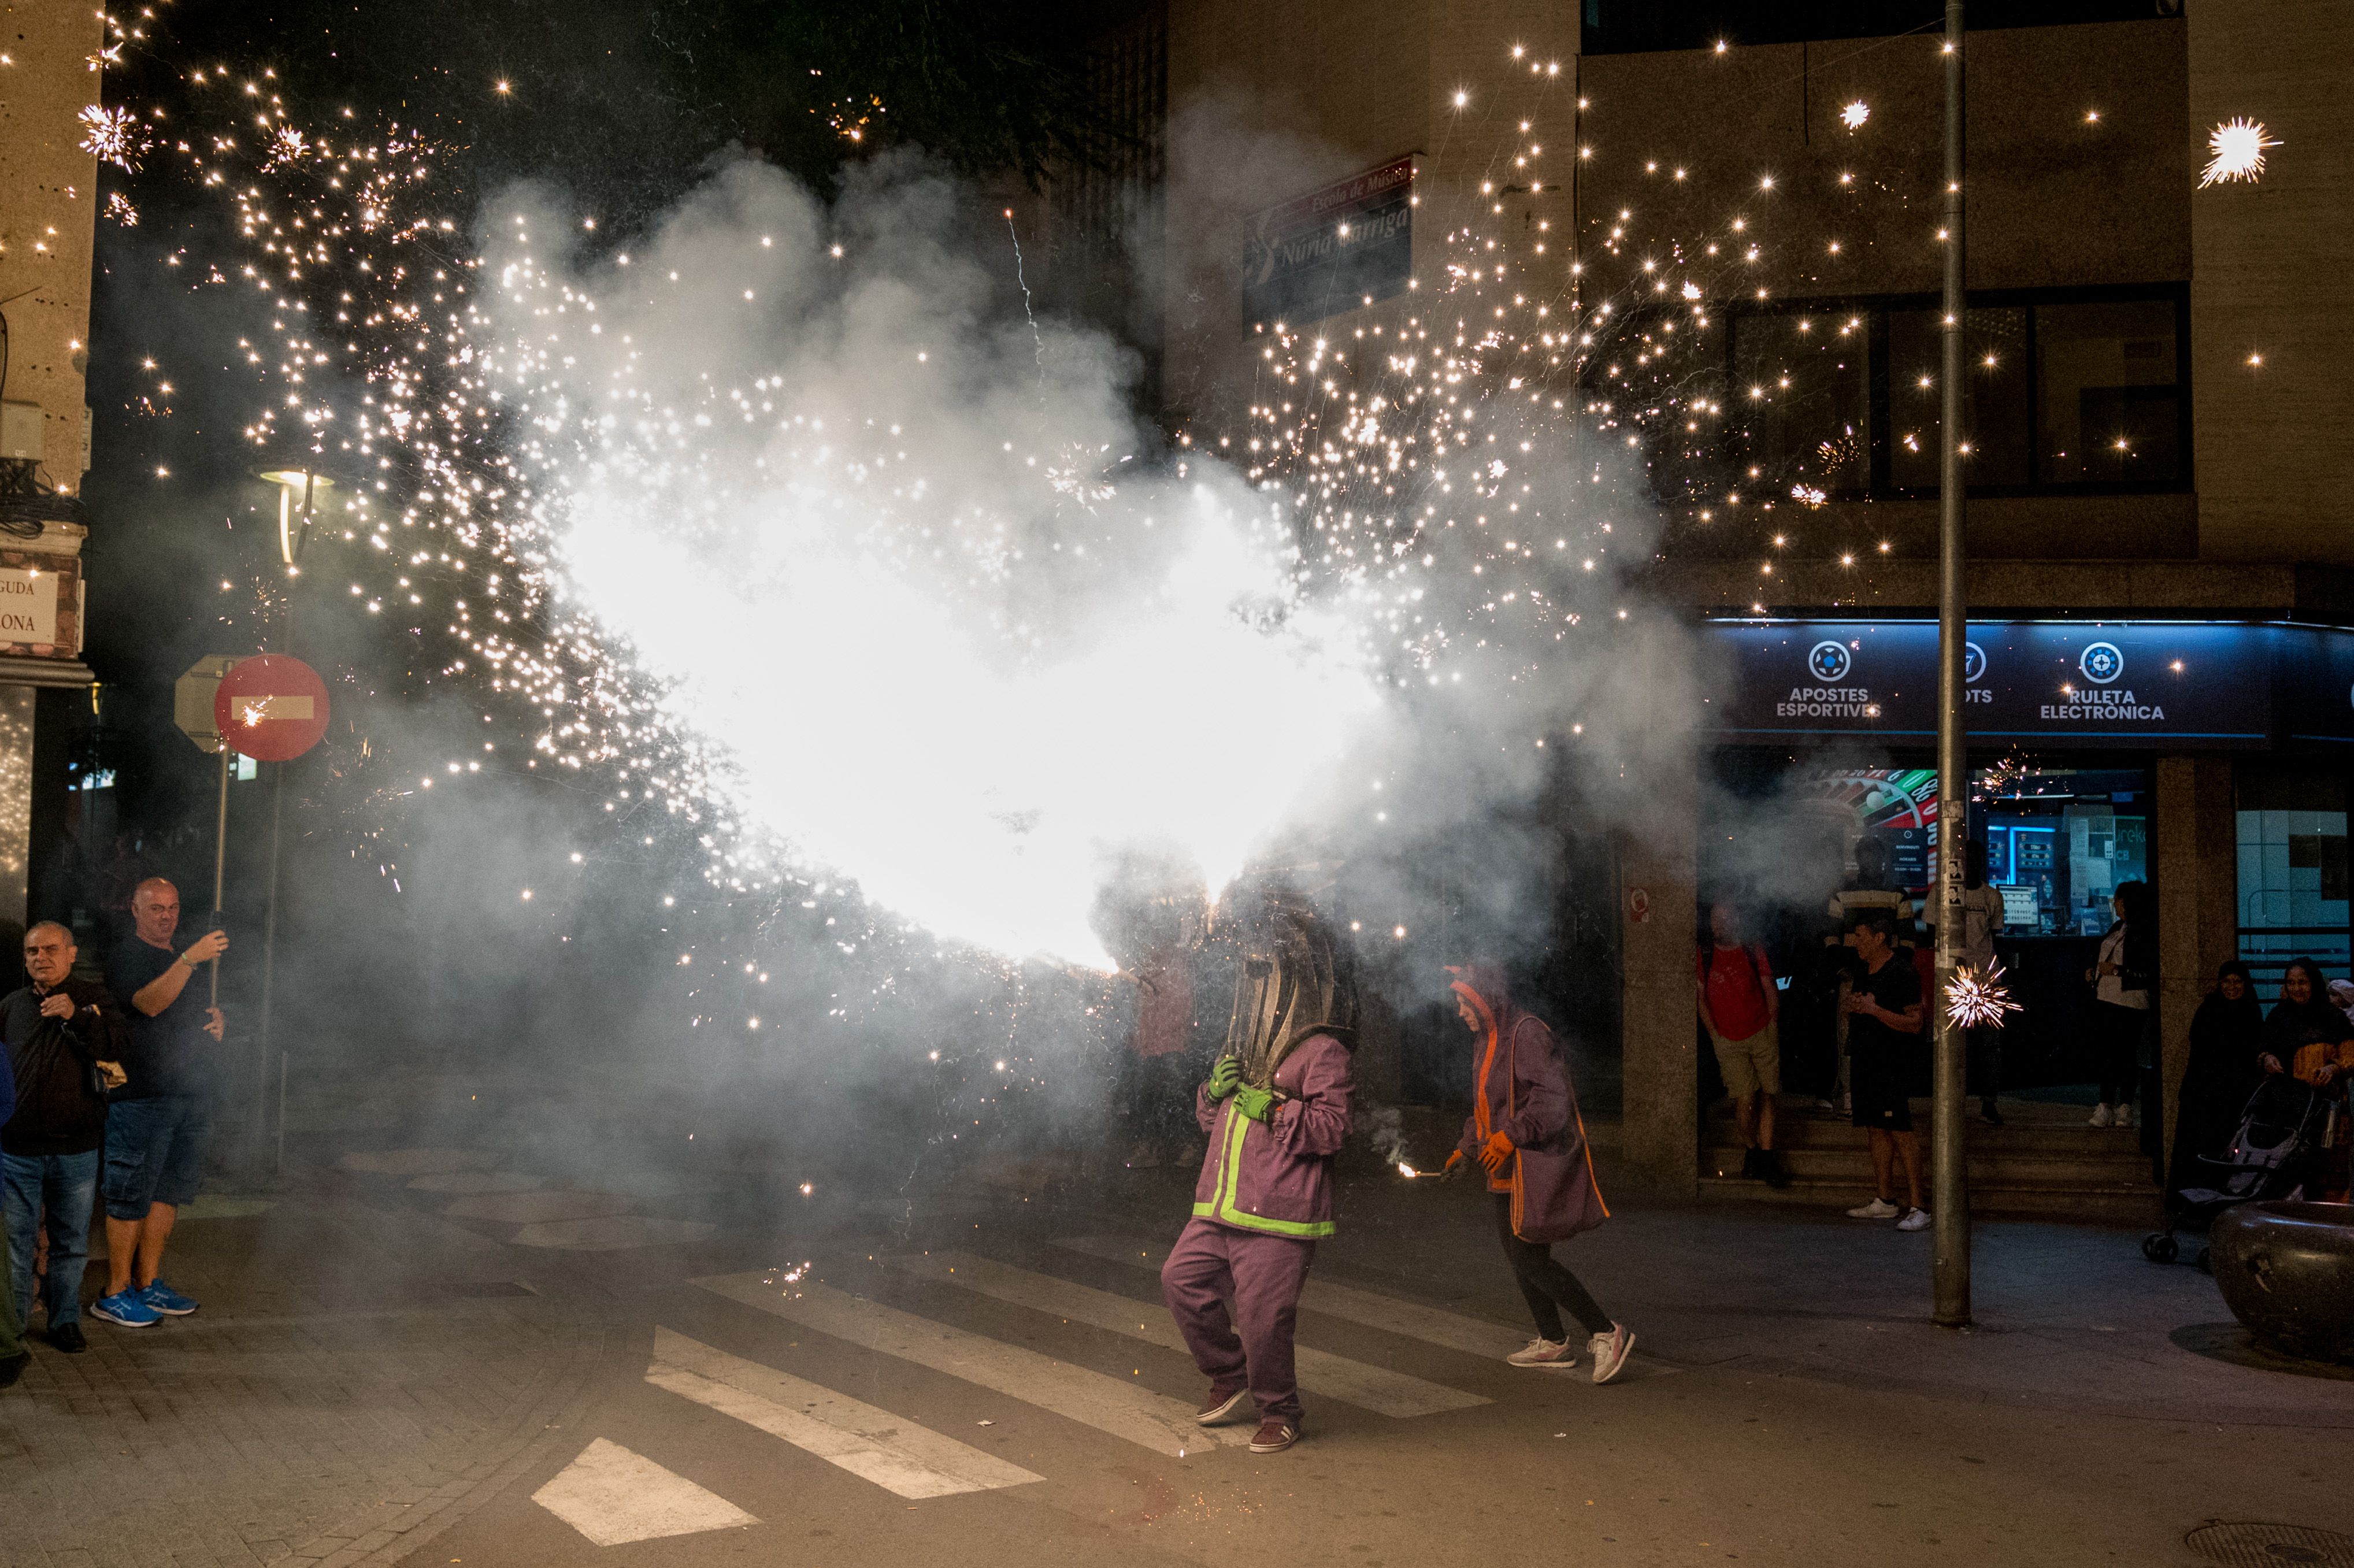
column 1255, row 1103
column 1226, row 1077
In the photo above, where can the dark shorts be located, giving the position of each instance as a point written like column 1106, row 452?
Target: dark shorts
column 1880, row 1088
column 154, row 1152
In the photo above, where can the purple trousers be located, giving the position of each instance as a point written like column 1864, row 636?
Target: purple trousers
column 1262, row 1275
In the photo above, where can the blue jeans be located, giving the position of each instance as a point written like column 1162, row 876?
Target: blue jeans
column 66, row 1185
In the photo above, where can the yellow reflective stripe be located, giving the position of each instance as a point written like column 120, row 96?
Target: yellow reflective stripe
column 1230, row 1170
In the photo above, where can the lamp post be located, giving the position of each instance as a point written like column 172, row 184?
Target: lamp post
column 1950, row 1177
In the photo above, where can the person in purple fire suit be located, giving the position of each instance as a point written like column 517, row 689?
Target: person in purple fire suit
column 1277, row 1109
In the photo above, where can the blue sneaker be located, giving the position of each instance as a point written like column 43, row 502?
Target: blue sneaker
column 161, row 1298
column 126, row 1309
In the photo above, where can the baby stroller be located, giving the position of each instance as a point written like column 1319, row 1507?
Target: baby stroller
column 2267, row 1160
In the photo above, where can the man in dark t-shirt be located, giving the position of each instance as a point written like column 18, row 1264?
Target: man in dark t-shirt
column 1884, row 1039
column 159, row 1123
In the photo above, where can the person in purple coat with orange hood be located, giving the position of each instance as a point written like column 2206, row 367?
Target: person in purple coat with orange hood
column 1277, row 1109
column 1525, row 1132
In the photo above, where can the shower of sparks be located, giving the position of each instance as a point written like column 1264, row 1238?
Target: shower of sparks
column 1978, row 1001
column 2238, row 148
column 1855, row 114
column 115, row 136
column 1411, row 535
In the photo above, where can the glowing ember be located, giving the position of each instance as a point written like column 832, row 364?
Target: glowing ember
column 1408, row 1171
column 1978, row 1001
column 2237, row 146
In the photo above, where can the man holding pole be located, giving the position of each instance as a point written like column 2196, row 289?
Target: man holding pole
column 159, row 1124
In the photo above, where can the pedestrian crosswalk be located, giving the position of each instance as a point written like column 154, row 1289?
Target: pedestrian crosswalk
column 611, row 1493
column 871, row 1444
column 1432, row 1325
column 1368, row 1387
column 1115, row 1408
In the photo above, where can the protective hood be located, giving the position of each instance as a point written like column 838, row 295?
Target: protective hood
column 1293, row 979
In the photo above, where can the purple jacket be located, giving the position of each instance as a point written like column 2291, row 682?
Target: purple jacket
column 1519, row 1089
column 1276, row 1176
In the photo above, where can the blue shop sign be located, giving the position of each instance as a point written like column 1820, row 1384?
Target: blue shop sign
column 2081, row 684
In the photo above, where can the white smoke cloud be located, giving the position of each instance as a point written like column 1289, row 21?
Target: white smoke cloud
column 896, row 558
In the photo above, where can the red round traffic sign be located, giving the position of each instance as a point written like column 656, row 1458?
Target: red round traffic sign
column 270, row 707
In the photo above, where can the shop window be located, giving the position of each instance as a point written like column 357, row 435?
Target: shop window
column 2292, row 894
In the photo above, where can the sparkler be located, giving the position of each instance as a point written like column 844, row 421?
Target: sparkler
column 2238, row 153
column 1978, row 1001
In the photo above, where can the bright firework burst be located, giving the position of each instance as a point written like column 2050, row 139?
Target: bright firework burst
column 113, row 136
column 1404, row 523
column 2238, row 151
column 1855, row 114
column 1978, row 1001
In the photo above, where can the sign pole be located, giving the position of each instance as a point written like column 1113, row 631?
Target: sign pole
column 1950, row 1177
column 220, row 858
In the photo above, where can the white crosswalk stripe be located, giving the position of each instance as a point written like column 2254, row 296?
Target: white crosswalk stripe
column 1370, row 1387
column 1110, row 1405
column 1432, row 1325
column 612, row 1495
column 871, row 1444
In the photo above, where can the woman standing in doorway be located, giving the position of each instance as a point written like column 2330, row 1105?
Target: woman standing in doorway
column 2122, row 979
column 2226, row 1036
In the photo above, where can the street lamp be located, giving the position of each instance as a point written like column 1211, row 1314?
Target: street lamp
column 298, row 489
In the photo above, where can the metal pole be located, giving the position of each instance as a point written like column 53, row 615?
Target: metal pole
column 1950, row 1177
column 268, row 969
column 221, row 856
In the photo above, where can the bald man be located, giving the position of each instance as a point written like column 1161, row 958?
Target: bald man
column 159, row 1125
column 65, row 1038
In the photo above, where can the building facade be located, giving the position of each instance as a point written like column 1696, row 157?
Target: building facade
column 2162, row 679
column 49, row 56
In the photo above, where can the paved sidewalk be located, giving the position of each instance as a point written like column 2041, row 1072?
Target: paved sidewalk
column 329, row 1398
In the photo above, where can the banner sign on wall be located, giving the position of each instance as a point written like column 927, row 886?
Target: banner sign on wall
column 2078, row 683
column 1331, row 249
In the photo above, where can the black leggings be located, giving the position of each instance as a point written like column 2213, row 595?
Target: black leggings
column 1544, row 1282
column 2116, row 1039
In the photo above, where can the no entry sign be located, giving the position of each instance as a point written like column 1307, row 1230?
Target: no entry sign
column 270, row 707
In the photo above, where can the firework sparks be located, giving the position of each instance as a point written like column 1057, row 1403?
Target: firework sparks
column 1855, row 114
column 1978, row 1001
column 113, row 136
column 2238, row 153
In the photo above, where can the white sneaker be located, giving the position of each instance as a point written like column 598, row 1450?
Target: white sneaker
column 1913, row 1220
column 2124, row 1116
column 1543, row 1352
column 2100, row 1117
column 1610, row 1351
column 1878, row 1209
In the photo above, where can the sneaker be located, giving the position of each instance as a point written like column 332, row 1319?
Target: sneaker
column 1543, row 1352
column 1988, row 1114
column 1847, row 1104
column 166, row 1300
column 1220, row 1408
column 1913, row 1220
column 1610, row 1351
column 1769, row 1166
column 1274, row 1437
column 1878, row 1209
column 126, row 1309
column 2124, row 1116
column 2100, row 1117
column 69, row 1338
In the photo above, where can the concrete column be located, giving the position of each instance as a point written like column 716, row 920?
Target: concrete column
column 2196, row 867
column 1656, row 914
